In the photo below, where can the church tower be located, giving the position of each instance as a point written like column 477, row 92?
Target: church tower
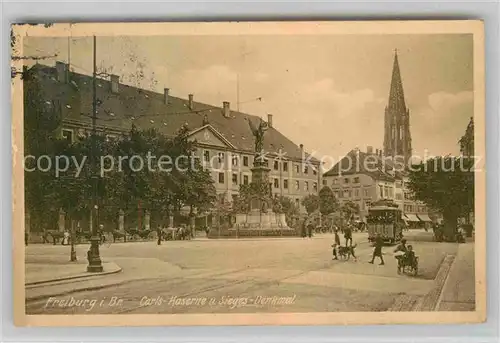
column 397, row 136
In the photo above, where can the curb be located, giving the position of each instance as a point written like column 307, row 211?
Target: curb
column 430, row 300
column 117, row 269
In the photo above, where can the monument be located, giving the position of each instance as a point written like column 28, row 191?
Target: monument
column 258, row 213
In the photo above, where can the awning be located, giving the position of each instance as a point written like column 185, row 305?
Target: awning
column 412, row 217
column 424, row 217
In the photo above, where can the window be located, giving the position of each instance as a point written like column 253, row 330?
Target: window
column 235, row 179
column 356, row 180
column 276, row 165
column 315, row 186
column 368, row 203
column 306, row 186
column 221, row 157
column 346, row 180
column 335, row 181
column 356, row 193
column 276, row 183
column 337, row 194
column 67, row 135
column 324, row 182
column 297, row 168
column 245, row 179
column 297, row 203
column 221, row 177
column 206, row 156
column 365, row 192
column 297, row 185
column 345, row 193
column 381, row 189
column 315, row 172
column 306, row 169
column 235, row 160
column 245, row 161
column 399, row 196
column 399, row 184
column 285, row 184
column 285, row 166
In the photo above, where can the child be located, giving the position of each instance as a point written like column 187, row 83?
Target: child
column 334, row 251
column 410, row 254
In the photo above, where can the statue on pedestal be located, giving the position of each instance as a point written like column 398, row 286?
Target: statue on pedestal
column 258, row 133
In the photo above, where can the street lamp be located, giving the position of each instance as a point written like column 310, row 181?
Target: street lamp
column 95, row 263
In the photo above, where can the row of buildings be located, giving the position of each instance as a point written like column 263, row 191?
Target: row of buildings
column 223, row 135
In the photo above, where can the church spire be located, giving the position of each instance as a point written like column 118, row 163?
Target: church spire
column 397, row 135
column 396, row 94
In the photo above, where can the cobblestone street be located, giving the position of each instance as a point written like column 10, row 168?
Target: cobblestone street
column 220, row 276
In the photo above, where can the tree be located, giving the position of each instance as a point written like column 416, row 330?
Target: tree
column 41, row 121
column 311, row 203
column 327, row 201
column 445, row 184
column 349, row 209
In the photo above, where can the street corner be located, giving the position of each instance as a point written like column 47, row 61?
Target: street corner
column 38, row 275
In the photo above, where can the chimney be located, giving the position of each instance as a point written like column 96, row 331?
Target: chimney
column 226, row 110
column 190, row 104
column 62, row 71
column 165, row 95
column 369, row 150
column 270, row 120
column 115, row 81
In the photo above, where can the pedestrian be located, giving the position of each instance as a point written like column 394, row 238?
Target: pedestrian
column 100, row 233
column 335, row 245
column 334, row 251
column 348, row 235
column 377, row 251
column 310, row 229
column 158, row 234
column 304, row 228
column 400, row 253
column 44, row 236
column 65, row 240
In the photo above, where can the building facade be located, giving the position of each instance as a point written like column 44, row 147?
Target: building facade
column 367, row 177
column 223, row 138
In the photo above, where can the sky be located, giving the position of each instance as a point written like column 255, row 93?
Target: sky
column 327, row 92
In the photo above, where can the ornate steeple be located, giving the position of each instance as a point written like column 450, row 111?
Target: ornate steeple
column 396, row 94
column 397, row 136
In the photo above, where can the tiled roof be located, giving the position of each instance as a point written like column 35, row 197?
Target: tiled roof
column 356, row 162
column 146, row 109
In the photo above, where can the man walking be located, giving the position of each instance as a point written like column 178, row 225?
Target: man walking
column 348, row 235
column 158, row 234
column 336, row 244
column 377, row 251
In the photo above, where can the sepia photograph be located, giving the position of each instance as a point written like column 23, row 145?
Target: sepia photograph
column 263, row 173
